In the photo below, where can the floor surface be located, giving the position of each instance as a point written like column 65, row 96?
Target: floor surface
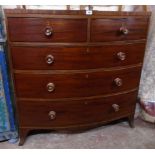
column 119, row 136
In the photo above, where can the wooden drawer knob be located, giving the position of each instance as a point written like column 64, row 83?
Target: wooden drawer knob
column 49, row 59
column 50, row 87
column 52, row 115
column 48, row 31
column 118, row 82
column 124, row 30
column 115, row 107
column 121, row 56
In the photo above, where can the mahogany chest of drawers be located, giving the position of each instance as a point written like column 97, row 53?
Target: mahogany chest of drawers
column 74, row 71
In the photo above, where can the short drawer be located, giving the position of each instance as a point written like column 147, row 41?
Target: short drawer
column 76, row 58
column 65, row 113
column 118, row 29
column 69, row 85
column 47, row 30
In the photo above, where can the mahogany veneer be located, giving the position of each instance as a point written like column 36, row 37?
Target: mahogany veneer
column 73, row 71
column 75, row 58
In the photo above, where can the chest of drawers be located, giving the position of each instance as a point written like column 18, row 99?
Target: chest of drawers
column 73, row 71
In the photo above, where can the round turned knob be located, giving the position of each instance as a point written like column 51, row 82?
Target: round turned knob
column 115, row 107
column 50, row 87
column 49, row 59
column 124, row 30
column 52, row 115
column 121, row 56
column 118, row 82
column 48, row 31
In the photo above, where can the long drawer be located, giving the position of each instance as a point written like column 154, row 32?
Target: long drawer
column 64, row 113
column 117, row 29
column 75, row 58
column 47, row 30
column 71, row 85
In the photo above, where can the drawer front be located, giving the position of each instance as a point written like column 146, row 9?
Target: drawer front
column 47, row 30
column 118, row 29
column 77, row 84
column 63, row 113
column 75, row 58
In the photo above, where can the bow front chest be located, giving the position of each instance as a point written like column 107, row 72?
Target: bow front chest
column 74, row 71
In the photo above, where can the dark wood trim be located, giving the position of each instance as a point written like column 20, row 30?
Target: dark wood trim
column 73, row 71
column 131, row 121
column 40, row 44
column 31, row 13
column 12, row 81
column 23, row 133
column 78, row 98
column 74, row 16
